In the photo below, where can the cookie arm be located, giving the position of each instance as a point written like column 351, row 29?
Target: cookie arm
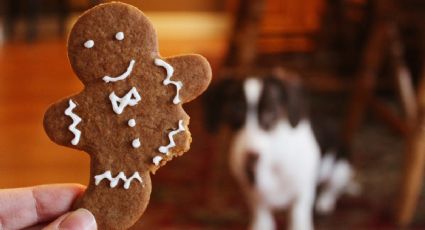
column 61, row 123
column 194, row 72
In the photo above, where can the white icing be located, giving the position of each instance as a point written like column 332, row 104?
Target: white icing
column 89, row 44
column 136, row 143
column 156, row 160
column 123, row 76
column 131, row 122
column 119, row 36
column 165, row 149
column 75, row 121
column 114, row 180
column 119, row 104
column 167, row 81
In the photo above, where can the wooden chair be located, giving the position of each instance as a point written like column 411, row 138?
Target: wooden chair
column 412, row 127
column 31, row 9
column 384, row 42
column 287, row 26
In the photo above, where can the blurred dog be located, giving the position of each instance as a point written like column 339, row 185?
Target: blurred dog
column 276, row 155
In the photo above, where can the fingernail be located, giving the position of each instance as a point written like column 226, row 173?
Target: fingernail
column 80, row 219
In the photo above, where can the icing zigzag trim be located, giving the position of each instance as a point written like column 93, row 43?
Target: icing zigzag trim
column 165, row 149
column 114, row 180
column 167, row 81
column 156, row 160
column 75, row 121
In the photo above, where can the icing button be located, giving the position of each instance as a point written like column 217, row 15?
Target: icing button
column 136, row 143
column 131, row 122
column 89, row 44
column 119, row 36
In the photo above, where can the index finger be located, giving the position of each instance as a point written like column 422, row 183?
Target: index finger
column 24, row 207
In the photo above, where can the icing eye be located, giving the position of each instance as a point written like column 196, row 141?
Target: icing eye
column 89, row 44
column 119, row 36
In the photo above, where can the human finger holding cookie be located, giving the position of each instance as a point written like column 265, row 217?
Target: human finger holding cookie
column 45, row 206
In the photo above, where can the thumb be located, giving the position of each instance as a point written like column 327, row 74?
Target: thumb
column 80, row 219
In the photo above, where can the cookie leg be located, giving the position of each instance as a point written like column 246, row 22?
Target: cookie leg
column 114, row 205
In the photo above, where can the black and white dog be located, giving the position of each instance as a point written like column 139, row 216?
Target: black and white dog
column 276, row 156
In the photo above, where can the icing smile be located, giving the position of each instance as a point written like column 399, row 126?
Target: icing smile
column 123, row 76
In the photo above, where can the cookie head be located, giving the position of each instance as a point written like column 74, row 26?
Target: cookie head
column 107, row 38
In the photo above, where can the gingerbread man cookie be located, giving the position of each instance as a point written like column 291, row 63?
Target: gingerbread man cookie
column 129, row 116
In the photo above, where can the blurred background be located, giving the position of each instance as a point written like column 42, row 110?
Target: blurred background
column 362, row 61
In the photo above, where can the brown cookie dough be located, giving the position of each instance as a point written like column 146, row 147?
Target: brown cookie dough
column 129, row 117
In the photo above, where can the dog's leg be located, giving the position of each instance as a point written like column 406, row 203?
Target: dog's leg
column 262, row 218
column 301, row 213
column 338, row 182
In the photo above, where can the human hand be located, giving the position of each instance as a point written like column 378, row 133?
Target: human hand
column 45, row 206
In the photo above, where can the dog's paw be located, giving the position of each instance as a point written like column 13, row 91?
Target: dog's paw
column 325, row 204
column 354, row 189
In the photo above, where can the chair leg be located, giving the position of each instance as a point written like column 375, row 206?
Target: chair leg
column 412, row 175
column 414, row 165
column 63, row 9
column 11, row 15
column 365, row 84
column 32, row 13
column 242, row 50
column 403, row 77
column 357, row 107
